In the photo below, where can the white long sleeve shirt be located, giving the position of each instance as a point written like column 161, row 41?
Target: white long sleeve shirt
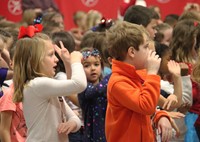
column 42, row 109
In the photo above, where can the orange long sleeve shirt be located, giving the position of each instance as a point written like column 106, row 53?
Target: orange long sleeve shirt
column 132, row 99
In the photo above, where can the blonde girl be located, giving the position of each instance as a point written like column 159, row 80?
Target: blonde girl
column 47, row 117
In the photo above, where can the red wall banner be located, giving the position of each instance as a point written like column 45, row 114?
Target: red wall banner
column 108, row 8
column 11, row 9
column 170, row 6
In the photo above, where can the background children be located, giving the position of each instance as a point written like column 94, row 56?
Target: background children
column 170, row 77
column 13, row 127
column 185, row 49
column 5, row 72
column 142, row 16
column 93, row 100
column 171, row 82
column 61, row 71
column 79, row 18
column 164, row 33
column 69, row 43
column 100, row 44
column 34, row 67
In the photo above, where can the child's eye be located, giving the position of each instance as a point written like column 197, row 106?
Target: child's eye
column 86, row 66
column 97, row 64
column 155, row 28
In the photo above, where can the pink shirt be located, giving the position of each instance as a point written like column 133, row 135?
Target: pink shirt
column 18, row 128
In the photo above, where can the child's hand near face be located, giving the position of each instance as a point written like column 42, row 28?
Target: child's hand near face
column 174, row 68
column 63, row 53
column 66, row 127
column 153, row 62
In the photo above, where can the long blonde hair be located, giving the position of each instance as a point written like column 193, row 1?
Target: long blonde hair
column 28, row 55
column 196, row 72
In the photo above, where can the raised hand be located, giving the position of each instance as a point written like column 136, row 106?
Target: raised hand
column 174, row 68
column 63, row 53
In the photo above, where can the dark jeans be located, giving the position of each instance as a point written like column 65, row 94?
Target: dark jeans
column 198, row 132
column 77, row 136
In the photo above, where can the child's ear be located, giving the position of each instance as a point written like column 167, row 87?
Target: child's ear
column 131, row 51
column 109, row 60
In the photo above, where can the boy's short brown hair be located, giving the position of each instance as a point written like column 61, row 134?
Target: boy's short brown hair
column 122, row 36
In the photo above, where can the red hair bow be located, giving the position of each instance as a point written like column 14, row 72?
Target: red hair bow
column 29, row 31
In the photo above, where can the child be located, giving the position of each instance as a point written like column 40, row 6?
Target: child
column 164, row 33
column 13, row 127
column 93, row 100
column 61, row 71
column 47, row 117
column 196, row 77
column 185, row 49
column 100, row 44
column 170, row 74
column 132, row 91
column 172, row 83
column 12, row 120
column 5, row 72
column 142, row 16
column 69, row 43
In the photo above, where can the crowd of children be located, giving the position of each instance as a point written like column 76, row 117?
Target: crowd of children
column 130, row 80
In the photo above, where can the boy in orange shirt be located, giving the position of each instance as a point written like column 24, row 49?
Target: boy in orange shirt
column 134, row 87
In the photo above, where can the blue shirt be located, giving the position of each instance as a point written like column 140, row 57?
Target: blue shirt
column 93, row 102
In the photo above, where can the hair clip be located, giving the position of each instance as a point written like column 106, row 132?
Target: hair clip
column 104, row 24
column 29, row 31
column 37, row 20
column 88, row 53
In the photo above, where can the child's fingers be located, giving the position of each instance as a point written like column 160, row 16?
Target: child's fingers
column 175, row 127
column 59, row 129
column 159, row 130
column 63, row 49
column 61, row 44
column 152, row 53
column 57, row 49
column 62, row 128
column 68, row 130
column 165, row 104
column 169, row 104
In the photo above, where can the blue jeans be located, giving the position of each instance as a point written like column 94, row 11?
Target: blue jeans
column 191, row 134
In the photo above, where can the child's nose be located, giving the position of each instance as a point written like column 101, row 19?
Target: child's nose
column 93, row 67
column 56, row 59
